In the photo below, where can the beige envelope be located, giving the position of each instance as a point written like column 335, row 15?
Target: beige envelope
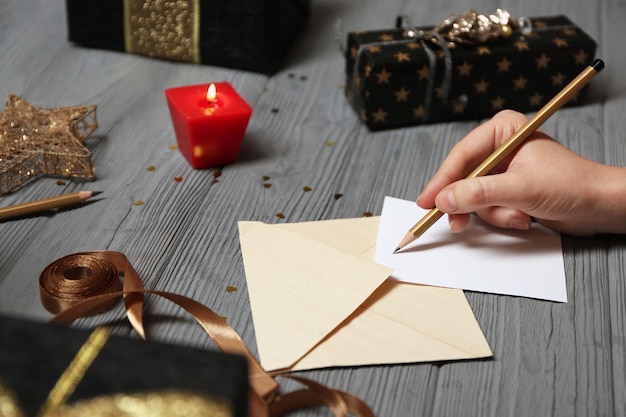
column 318, row 300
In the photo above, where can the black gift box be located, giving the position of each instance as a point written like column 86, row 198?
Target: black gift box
column 395, row 80
column 252, row 35
column 34, row 355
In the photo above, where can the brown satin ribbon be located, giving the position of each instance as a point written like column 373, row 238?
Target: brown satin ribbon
column 63, row 293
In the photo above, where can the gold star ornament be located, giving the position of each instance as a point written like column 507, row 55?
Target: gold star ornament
column 36, row 141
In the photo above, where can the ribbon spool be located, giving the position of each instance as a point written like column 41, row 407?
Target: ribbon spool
column 74, row 278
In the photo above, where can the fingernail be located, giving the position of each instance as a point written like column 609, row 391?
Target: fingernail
column 519, row 224
column 451, row 223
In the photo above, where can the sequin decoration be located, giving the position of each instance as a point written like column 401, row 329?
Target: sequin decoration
column 155, row 404
column 163, row 29
column 36, row 141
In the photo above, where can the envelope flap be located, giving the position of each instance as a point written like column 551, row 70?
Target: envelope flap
column 356, row 236
column 403, row 323
column 300, row 289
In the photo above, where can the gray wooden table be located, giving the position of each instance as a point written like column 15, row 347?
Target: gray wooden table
column 549, row 358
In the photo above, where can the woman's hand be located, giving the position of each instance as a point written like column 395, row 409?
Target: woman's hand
column 541, row 179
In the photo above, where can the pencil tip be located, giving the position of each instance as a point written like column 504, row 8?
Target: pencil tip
column 396, row 250
column 93, row 193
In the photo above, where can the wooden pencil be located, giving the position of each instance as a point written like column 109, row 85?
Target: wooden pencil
column 50, row 203
column 511, row 144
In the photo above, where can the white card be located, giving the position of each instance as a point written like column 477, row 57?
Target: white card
column 482, row 258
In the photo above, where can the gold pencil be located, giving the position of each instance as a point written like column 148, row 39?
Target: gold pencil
column 511, row 144
column 45, row 204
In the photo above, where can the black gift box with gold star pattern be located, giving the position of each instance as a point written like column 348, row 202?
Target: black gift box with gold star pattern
column 395, row 80
column 252, row 35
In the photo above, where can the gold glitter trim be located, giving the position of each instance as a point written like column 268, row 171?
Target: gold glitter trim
column 153, row 404
column 8, row 403
column 74, row 373
column 163, row 29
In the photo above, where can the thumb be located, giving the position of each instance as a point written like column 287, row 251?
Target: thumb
column 474, row 194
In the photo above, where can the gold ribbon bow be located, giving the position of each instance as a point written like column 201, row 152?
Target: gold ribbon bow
column 265, row 399
column 472, row 28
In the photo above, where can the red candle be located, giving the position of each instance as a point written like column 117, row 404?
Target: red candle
column 209, row 121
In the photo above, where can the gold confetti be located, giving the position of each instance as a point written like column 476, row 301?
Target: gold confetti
column 306, row 188
column 139, row 203
column 178, row 179
column 330, row 143
column 174, row 146
column 281, row 215
column 266, row 177
column 231, row 288
column 60, row 182
column 151, row 168
column 368, row 214
column 267, row 185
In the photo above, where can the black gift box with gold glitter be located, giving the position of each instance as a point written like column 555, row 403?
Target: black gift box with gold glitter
column 408, row 76
column 124, row 372
column 252, row 35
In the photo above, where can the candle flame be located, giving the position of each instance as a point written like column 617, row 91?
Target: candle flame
column 211, row 93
